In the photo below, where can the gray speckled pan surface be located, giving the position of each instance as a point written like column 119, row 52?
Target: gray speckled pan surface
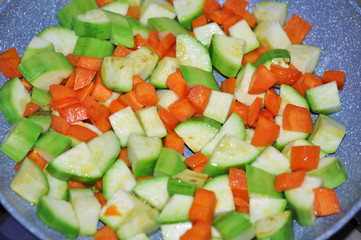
column 336, row 28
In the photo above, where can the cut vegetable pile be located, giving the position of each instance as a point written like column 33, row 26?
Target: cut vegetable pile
column 103, row 107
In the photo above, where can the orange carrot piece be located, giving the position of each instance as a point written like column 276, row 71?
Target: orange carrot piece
column 121, row 51
column 9, row 62
column 203, row 206
column 116, row 106
column 234, row 5
column 199, row 21
column 130, row 99
column 30, row 109
column 307, row 81
column 219, row 16
column 100, row 92
column 59, row 124
column 312, row 80
column 84, row 92
column 228, row 85
column 82, row 133
column 167, row 41
column 124, row 156
column 101, row 199
column 37, row 159
column 296, row 29
column 304, row 157
column 72, row 184
column 210, row 5
column 287, row 181
column 91, row 104
column 182, row 109
column 266, row 133
column 146, row 94
column 199, row 96
column 254, row 55
column 112, row 210
column 272, row 101
column 242, row 206
column 285, row 75
column 72, row 59
column 17, row 166
column 325, row 202
column 71, row 80
column 73, row 113
column 333, row 75
column 244, row 14
column 262, row 79
column 99, row 184
column 105, row 233
column 91, row 63
column 103, row 124
column 176, row 83
column 102, row 3
column 199, row 231
column 242, row 110
column 133, row 12
column 253, row 111
column 169, row 53
column 172, row 140
column 26, row 84
column 238, row 183
column 169, row 120
column 197, row 160
column 153, row 40
column 61, row 92
column 83, row 77
column 229, row 23
column 297, row 119
column 137, row 79
column 142, row 178
column 264, row 113
column 139, row 41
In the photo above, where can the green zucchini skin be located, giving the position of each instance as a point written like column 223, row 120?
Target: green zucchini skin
column 94, row 23
column 66, row 222
column 72, row 9
column 20, row 138
column 45, row 69
column 13, row 100
column 93, row 47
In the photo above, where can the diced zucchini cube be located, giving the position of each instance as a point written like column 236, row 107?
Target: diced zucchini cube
column 30, row 182
column 204, row 33
column 143, row 153
column 219, row 105
column 151, row 122
column 165, row 67
column 235, row 225
column 327, row 133
column 304, row 57
column 220, row 186
column 51, row 144
column 169, row 163
column 176, row 209
column 271, row 34
column 324, row 99
column 272, row 161
column 20, row 138
column 124, row 123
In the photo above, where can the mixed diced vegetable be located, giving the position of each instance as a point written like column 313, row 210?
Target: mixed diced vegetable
column 117, row 117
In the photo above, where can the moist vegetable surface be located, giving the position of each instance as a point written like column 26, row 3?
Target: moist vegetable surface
column 104, row 124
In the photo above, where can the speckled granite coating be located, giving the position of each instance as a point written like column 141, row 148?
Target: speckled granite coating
column 336, row 28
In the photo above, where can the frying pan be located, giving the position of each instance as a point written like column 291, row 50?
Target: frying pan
column 336, row 28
